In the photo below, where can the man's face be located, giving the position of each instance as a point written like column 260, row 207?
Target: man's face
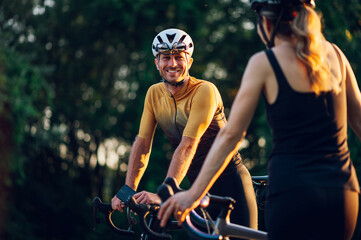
column 173, row 67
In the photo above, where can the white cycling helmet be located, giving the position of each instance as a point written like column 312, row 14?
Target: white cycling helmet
column 172, row 41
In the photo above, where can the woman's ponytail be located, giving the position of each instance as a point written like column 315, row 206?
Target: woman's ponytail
column 306, row 27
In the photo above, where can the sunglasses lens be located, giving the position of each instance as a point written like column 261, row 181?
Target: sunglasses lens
column 162, row 47
column 179, row 46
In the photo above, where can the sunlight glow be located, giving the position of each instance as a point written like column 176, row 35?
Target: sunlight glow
column 262, row 142
column 110, row 152
column 49, row 3
column 348, row 34
column 244, row 144
column 215, row 71
column 38, row 10
column 248, row 25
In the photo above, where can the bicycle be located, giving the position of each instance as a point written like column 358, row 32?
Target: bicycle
column 151, row 229
column 147, row 215
column 150, row 224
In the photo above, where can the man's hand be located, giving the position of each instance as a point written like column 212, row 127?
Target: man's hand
column 117, row 204
column 145, row 197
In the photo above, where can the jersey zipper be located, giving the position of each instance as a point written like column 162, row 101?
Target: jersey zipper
column 175, row 115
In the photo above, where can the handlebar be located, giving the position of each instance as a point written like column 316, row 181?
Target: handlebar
column 165, row 191
column 143, row 210
column 260, row 179
column 152, row 228
column 259, row 184
column 223, row 228
column 195, row 218
column 107, row 210
column 150, row 225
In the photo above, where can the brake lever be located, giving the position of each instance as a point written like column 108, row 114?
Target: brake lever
column 143, row 210
column 131, row 220
column 96, row 220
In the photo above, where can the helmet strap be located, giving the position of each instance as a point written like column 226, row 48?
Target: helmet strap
column 173, row 84
column 271, row 42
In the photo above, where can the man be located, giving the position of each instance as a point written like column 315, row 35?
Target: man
column 190, row 113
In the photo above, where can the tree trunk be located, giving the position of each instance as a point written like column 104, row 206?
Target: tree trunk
column 6, row 146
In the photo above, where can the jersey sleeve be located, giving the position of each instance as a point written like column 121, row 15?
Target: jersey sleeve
column 204, row 106
column 148, row 122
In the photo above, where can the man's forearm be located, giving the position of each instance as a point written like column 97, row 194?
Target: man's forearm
column 138, row 162
column 135, row 172
column 182, row 159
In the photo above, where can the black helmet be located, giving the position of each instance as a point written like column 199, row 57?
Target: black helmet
column 258, row 4
column 278, row 11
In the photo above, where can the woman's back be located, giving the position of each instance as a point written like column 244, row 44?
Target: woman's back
column 295, row 70
column 309, row 130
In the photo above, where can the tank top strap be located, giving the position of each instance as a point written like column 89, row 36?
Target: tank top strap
column 281, row 79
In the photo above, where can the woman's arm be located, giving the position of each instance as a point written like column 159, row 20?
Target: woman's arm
column 352, row 93
column 353, row 100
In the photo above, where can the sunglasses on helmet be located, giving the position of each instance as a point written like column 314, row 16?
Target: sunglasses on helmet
column 176, row 48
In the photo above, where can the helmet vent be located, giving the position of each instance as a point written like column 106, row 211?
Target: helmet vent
column 182, row 38
column 170, row 37
column 160, row 39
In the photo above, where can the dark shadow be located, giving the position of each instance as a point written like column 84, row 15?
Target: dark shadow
column 357, row 233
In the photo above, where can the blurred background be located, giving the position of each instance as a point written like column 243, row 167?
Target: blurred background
column 73, row 76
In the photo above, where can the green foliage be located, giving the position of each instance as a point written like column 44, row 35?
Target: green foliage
column 24, row 95
column 27, row 93
column 73, row 76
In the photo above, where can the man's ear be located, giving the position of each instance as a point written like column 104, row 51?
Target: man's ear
column 190, row 62
column 156, row 62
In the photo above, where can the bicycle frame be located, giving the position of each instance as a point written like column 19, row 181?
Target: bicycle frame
column 225, row 229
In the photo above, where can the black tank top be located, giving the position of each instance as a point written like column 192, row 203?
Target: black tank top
column 309, row 138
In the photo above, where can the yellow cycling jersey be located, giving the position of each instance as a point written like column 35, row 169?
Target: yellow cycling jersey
column 195, row 111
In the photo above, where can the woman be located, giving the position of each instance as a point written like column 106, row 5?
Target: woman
column 310, row 93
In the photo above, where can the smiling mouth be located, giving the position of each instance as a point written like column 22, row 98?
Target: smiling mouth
column 173, row 71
